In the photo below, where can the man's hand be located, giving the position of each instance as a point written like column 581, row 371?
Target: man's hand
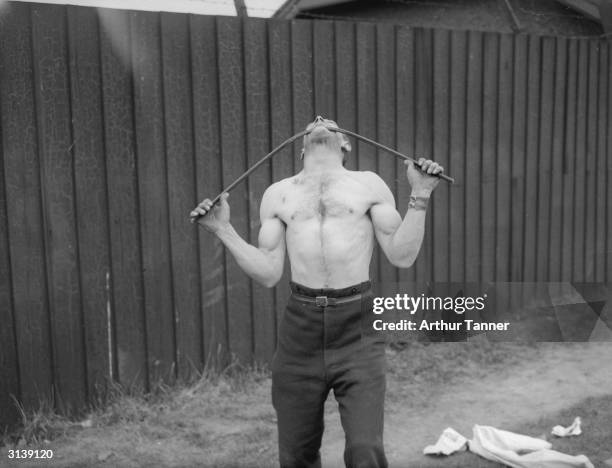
column 422, row 180
column 216, row 217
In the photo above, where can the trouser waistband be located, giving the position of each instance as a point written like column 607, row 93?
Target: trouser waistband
column 359, row 288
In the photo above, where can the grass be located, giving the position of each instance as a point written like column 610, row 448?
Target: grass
column 596, row 438
column 225, row 419
column 221, row 416
column 414, row 366
column 37, row 426
column 596, row 414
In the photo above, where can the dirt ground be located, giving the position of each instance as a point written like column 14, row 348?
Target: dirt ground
column 558, row 376
column 225, row 423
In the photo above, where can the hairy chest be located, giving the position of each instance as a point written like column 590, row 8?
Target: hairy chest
column 323, row 197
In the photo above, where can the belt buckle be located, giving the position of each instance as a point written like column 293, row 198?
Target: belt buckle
column 321, row 301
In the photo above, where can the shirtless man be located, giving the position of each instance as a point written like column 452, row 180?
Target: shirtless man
column 326, row 217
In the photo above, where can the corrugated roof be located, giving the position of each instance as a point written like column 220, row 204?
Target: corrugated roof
column 590, row 8
column 593, row 9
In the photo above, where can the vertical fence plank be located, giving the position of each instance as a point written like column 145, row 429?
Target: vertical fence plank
column 180, row 162
column 366, row 119
column 543, row 220
column 440, row 153
column 24, row 206
column 127, row 298
column 531, row 159
column 457, row 164
column 385, row 108
column 281, row 121
column 581, row 160
column 324, row 69
column 473, row 156
column 530, row 221
column 346, row 82
column 569, row 158
column 608, row 275
column 9, row 361
column 405, row 117
column 504, row 155
column 527, row 221
column 602, row 201
column 302, row 79
column 207, row 145
column 590, row 165
column 152, row 193
column 231, row 94
column 256, row 80
column 90, row 187
column 488, row 182
column 555, row 251
column 519, row 119
column 56, row 148
column 423, row 63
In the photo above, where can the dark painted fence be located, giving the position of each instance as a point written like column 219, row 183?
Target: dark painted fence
column 114, row 123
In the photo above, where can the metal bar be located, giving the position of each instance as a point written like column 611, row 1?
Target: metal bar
column 255, row 166
column 301, row 134
column 392, row 151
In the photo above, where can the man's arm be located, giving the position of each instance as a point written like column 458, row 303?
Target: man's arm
column 399, row 239
column 264, row 263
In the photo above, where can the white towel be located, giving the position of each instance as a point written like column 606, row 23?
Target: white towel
column 571, row 430
column 450, row 441
column 520, row 451
column 511, row 449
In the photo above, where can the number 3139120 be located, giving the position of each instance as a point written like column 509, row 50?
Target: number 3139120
column 30, row 453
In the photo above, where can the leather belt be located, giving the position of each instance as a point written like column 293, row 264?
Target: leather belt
column 324, row 301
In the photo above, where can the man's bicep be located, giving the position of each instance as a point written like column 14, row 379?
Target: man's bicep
column 272, row 231
column 385, row 217
column 386, row 220
column 272, row 238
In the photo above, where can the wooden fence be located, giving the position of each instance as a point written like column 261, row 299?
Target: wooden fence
column 114, row 123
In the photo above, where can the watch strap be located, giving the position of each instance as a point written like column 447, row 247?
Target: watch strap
column 418, row 203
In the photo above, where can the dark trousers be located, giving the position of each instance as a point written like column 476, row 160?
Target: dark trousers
column 328, row 343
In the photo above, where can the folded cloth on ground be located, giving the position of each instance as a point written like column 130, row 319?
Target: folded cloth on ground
column 511, row 449
column 450, row 441
column 572, row 430
column 520, row 451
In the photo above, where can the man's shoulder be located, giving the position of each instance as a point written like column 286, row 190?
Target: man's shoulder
column 376, row 185
column 277, row 188
column 369, row 177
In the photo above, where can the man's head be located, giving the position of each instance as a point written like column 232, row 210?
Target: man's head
column 322, row 138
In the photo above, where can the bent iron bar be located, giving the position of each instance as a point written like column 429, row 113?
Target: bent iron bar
column 386, row 148
column 301, row 134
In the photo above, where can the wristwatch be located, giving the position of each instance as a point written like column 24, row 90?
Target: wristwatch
column 418, row 203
